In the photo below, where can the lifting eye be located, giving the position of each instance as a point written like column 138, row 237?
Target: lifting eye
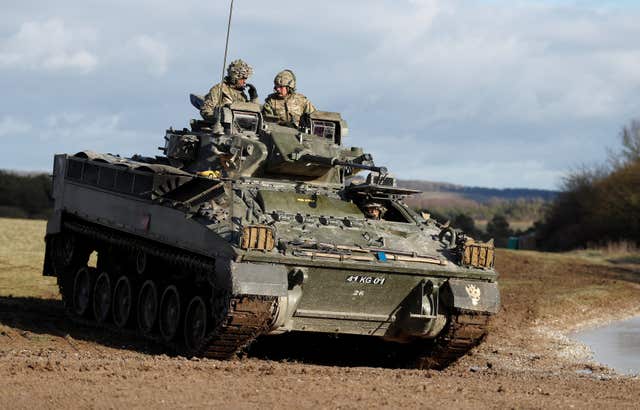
column 448, row 237
column 297, row 276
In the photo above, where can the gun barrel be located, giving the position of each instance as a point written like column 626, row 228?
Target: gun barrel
column 373, row 168
column 335, row 161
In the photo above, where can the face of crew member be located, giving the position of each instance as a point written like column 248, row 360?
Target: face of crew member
column 372, row 213
column 241, row 82
column 281, row 90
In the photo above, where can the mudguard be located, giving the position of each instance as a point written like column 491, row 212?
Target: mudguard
column 47, row 265
column 258, row 279
column 54, row 224
column 475, row 295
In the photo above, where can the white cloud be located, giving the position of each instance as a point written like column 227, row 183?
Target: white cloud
column 528, row 62
column 48, row 45
column 153, row 53
column 546, row 84
column 106, row 132
column 10, row 126
column 469, row 161
column 79, row 127
column 72, row 132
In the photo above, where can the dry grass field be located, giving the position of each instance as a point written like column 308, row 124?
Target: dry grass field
column 526, row 362
column 21, row 257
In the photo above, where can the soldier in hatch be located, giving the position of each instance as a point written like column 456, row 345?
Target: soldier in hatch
column 285, row 104
column 232, row 89
column 373, row 210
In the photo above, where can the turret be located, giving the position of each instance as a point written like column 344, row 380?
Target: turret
column 240, row 143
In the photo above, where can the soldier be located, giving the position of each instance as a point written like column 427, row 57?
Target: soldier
column 285, row 104
column 373, row 210
column 232, row 89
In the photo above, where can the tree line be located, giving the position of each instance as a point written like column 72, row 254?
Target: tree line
column 25, row 195
column 521, row 209
column 598, row 205
column 497, row 228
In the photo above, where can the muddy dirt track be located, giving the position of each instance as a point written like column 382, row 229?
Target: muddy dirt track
column 526, row 362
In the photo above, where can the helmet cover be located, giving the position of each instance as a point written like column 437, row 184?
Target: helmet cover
column 238, row 70
column 285, row 78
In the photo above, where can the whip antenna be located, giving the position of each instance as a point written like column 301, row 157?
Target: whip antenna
column 226, row 48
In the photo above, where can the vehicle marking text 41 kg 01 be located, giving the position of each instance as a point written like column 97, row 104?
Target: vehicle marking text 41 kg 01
column 368, row 280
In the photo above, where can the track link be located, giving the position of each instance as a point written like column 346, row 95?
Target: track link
column 248, row 317
column 465, row 331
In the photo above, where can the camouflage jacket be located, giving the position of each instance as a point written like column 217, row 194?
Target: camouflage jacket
column 289, row 109
column 229, row 95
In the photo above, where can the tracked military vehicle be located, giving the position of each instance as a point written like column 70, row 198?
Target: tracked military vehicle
column 246, row 227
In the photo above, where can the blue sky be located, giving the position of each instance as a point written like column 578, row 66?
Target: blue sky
column 483, row 93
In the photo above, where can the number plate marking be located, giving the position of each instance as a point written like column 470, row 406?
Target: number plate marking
column 367, row 280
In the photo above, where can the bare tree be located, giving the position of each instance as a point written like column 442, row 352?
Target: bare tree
column 630, row 140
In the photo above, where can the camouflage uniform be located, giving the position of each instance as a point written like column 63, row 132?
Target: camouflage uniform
column 290, row 108
column 237, row 69
column 212, row 100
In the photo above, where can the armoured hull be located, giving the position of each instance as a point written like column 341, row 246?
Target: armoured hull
column 205, row 263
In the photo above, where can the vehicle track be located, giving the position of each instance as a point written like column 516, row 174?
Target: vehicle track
column 235, row 321
column 465, row 331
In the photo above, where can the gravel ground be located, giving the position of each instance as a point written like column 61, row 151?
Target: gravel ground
column 526, row 362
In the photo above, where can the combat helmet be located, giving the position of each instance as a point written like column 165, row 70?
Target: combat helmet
column 285, row 78
column 372, row 205
column 237, row 70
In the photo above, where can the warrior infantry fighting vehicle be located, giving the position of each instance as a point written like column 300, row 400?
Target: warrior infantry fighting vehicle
column 245, row 227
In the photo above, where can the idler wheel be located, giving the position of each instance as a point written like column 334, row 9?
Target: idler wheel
column 195, row 324
column 64, row 248
column 68, row 252
column 147, row 307
column 122, row 302
column 102, row 298
column 141, row 262
column 169, row 318
column 82, row 287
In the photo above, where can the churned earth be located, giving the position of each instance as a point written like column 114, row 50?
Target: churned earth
column 526, row 361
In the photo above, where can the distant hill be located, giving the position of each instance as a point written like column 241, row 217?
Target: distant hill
column 478, row 194
column 521, row 206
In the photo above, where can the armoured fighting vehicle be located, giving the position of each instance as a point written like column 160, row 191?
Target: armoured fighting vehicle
column 246, row 227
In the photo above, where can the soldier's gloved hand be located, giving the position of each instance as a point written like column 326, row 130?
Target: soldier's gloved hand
column 253, row 93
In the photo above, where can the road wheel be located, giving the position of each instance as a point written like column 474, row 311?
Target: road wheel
column 102, row 298
column 122, row 302
column 82, row 288
column 195, row 325
column 169, row 318
column 147, row 307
